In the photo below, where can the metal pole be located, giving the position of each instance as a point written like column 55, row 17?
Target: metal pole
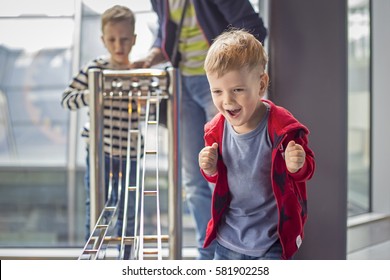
column 174, row 166
column 73, row 133
column 96, row 153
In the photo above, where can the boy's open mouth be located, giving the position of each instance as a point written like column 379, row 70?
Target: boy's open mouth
column 233, row 113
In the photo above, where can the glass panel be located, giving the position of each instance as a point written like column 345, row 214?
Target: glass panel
column 39, row 144
column 33, row 78
column 100, row 6
column 35, row 210
column 33, row 35
column 359, row 106
column 36, row 7
column 38, row 208
column 145, row 28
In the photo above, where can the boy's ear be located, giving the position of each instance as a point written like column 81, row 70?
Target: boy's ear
column 134, row 39
column 264, row 80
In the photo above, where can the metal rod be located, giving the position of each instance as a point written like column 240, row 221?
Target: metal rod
column 96, row 154
column 135, row 73
column 174, row 166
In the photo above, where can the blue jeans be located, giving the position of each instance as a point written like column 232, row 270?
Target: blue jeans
column 197, row 109
column 223, row 253
column 131, row 198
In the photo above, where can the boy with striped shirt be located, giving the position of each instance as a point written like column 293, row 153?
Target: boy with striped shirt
column 118, row 27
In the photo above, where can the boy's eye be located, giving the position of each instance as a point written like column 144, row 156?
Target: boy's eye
column 216, row 92
column 238, row 90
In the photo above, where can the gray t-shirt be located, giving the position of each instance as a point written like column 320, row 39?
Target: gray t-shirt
column 250, row 224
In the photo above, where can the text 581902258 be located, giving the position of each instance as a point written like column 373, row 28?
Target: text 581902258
column 240, row 270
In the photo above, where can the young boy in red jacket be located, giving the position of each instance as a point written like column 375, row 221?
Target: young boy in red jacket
column 257, row 155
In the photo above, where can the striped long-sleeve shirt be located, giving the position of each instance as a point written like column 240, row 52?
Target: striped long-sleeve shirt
column 116, row 117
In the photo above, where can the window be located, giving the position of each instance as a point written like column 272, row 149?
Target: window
column 35, row 67
column 42, row 198
column 359, row 104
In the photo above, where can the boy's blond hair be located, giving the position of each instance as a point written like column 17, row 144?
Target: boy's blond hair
column 119, row 13
column 235, row 49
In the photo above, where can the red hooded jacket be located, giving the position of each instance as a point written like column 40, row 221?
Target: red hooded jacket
column 289, row 188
